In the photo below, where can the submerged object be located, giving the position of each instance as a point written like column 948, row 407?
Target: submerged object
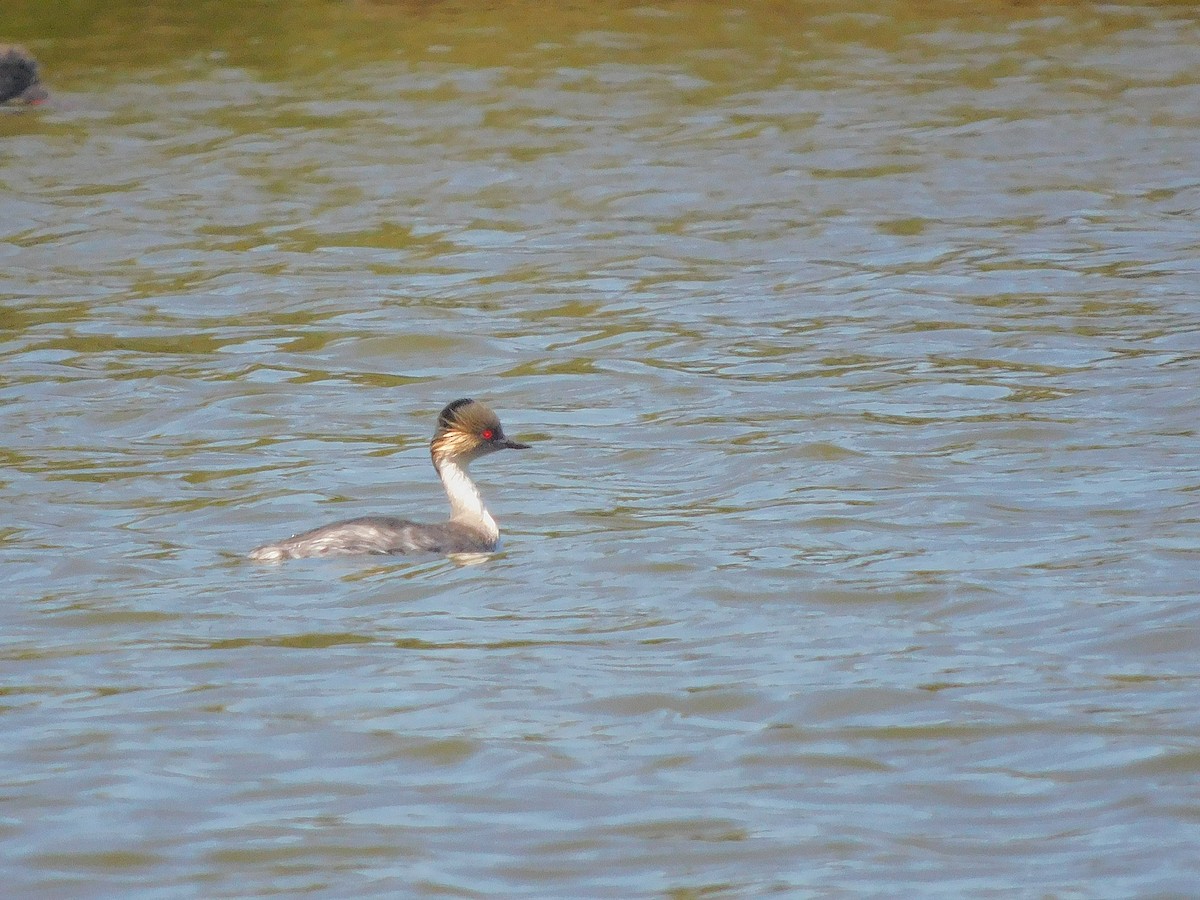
column 20, row 76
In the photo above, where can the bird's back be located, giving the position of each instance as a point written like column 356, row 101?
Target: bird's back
column 379, row 535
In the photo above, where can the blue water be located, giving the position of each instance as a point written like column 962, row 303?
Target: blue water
column 856, row 554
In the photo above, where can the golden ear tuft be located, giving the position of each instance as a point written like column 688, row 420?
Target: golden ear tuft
column 470, row 416
column 448, row 417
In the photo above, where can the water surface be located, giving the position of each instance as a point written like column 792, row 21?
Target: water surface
column 858, row 550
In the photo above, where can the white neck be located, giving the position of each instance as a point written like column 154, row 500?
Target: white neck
column 466, row 505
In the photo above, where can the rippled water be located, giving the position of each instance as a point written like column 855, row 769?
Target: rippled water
column 857, row 553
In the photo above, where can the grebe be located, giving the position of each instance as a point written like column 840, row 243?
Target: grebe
column 19, row 79
column 466, row 430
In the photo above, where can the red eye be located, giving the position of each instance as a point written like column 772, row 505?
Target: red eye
column 487, row 434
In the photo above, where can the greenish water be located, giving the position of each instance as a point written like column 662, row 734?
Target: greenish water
column 857, row 553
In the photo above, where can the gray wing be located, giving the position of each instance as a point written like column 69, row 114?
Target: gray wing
column 379, row 535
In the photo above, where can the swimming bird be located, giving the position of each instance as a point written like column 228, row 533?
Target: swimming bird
column 20, row 81
column 466, row 430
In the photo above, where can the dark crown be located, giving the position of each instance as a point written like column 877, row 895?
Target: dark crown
column 470, row 416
